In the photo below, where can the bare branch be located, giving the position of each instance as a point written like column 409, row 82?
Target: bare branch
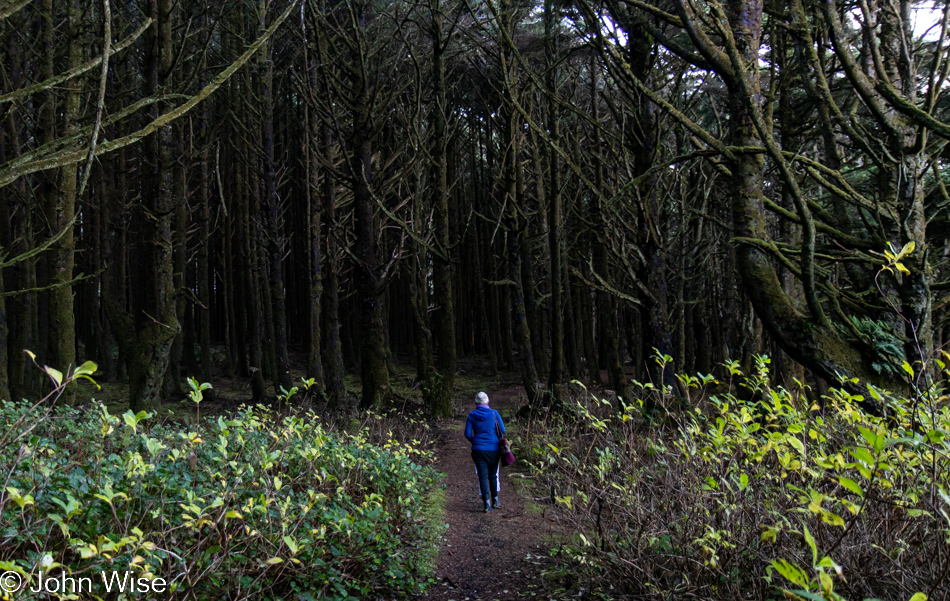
column 101, row 101
column 7, row 176
column 87, row 66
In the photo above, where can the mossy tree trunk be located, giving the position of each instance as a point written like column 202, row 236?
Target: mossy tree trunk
column 419, row 297
column 156, row 321
column 651, row 229
column 605, row 303
column 333, row 348
column 60, row 210
column 373, row 369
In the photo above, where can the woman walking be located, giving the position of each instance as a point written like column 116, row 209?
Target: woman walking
column 484, row 429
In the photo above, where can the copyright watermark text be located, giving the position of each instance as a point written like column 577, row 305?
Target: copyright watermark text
column 10, row 582
column 61, row 583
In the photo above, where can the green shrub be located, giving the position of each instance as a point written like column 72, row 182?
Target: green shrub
column 739, row 499
column 251, row 506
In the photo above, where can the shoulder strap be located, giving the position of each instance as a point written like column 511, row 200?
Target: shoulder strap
column 497, row 427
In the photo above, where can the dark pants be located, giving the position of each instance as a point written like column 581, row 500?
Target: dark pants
column 486, row 464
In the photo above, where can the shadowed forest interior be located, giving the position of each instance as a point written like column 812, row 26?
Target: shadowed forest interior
column 566, row 189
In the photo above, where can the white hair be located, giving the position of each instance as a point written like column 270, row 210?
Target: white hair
column 481, row 398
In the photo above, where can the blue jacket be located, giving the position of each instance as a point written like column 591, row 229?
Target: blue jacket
column 480, row 429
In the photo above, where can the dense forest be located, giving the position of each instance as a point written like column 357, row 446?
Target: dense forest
column 695, row 251
column 565, row 188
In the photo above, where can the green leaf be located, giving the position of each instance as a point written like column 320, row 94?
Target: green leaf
column 91, row 380
column 851, row 485
column 55, row 374
column 862, row 454
column 810, row 541
column 86, row 369
column 908, row 368
column 827, row 584
column 130, row 420
column 832, row 518
column 796, row 443
column 274, row 560
column 918, row 597
column 790, row 572
column 874, row 439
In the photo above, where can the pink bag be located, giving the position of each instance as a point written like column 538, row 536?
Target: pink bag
column 507, row 457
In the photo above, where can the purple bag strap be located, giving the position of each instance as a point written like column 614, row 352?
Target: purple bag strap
column 497, row 427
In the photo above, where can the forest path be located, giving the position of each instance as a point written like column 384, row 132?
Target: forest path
column 495, row 556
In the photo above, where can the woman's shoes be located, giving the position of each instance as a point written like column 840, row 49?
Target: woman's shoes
column 495, row 503
column 488, row 507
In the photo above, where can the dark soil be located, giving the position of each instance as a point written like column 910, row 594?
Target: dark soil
column 499, row 555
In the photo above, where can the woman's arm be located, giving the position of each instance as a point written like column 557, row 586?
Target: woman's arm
column 468, row 429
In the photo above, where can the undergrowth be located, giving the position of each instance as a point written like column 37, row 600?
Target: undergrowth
column 254, row 505
column 753, row 493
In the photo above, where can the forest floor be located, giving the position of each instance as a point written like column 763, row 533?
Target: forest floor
column 495, row 556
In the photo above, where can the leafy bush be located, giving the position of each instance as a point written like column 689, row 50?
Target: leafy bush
column 755, row 499
column 251, row 506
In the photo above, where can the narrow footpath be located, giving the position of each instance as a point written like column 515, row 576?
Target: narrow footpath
column 495, row 556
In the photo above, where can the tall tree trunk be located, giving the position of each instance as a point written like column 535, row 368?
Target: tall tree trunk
column 61, row 209
column 528, row 290
column 252, row 303
column 315, row 305
column 529, row 373
column 275, row 247
column 159, row 323
column 314, row 138
column 203, row 312
column 606, row 304
column 483, row 297
column 5, row 243
column 373, row 369
column 653, row 270
column 441, row 405
column 22, row 306
column 333, row 347
column 172, row 385
column 907, row 176
column 556, row 374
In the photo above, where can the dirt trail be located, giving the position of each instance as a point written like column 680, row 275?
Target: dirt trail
column 494, row 556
